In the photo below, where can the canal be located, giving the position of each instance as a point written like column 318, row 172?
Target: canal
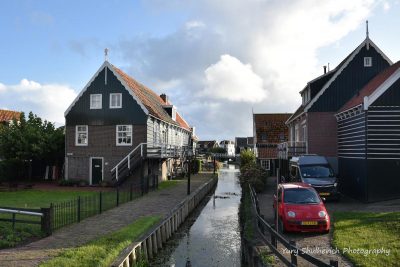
column 211, row 235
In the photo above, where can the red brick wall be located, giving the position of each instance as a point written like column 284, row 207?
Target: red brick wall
column 101, row 144
column 322, row 133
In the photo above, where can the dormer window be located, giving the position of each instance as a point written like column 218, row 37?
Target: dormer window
column 171, row 110
column 173, row 113
column 306, row 96
column 367, row 61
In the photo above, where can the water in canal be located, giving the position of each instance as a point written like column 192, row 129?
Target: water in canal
column 210, row 236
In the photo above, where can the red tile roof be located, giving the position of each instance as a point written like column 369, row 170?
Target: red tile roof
column 7, row 115
column 153, row 102
column 368, row 89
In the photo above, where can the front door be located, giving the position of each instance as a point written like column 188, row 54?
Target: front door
column 97, row 170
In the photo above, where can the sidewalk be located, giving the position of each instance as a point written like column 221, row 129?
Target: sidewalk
column 155, row 203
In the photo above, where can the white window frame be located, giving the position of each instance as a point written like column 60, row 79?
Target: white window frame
column 77, row 132
column 367, row 61
column 92, row 106
column 117, row 132
column 265, row 164
column 120, row 101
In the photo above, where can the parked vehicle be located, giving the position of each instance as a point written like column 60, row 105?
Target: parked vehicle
column 300, row 209
column 315, row 171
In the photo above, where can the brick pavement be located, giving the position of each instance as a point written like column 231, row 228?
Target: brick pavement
column 155, row 203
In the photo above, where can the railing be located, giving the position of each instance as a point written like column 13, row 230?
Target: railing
column 129, row 162
column 291, row 149
column 166, row 151
column 272, row 243
column 151, row 243
column 43, row 213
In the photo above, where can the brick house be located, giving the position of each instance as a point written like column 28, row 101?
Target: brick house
column 7, row 116
column 368, row 139
column 313, row 127
column 268, row 131
column 116, row 126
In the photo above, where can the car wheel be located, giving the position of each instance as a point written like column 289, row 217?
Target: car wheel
column 281, row 227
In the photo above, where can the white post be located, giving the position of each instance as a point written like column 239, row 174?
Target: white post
column 129, row 161
column 116, row 173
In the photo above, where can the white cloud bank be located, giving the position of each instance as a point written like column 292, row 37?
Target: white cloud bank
column 232, row 80
column 48, row 101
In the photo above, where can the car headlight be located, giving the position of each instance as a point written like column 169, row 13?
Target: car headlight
column 291, row 214
column 322, row 214
column 335, row 184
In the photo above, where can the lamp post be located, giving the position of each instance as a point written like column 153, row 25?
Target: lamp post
column 189, row 161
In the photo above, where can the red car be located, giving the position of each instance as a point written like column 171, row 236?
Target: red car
column 300, row 209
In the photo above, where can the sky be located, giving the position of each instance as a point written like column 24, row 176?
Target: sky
column 218, row 61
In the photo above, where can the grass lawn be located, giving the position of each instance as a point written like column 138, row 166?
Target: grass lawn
column 169, row 183
column 359, row 233
column 33, row 199
column 104, row 250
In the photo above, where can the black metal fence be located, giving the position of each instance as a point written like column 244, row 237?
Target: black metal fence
column 75, row 210
column 275, row 237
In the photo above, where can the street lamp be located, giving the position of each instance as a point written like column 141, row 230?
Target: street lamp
column 189, row 164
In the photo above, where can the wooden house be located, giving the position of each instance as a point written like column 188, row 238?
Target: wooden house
column 369, row 139
column 313, row 127
column 116, row 126
column 268, row 131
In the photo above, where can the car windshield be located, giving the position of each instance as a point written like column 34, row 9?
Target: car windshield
column 300, row 196
column 316, row 171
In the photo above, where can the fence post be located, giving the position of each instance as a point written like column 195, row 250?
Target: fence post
column 46, row 220
column 131, row 192
column 13, row 221
column 79, row 208
column 333, row 263
column 214, row 164
column 100, row 201
column 293, row 254
column 117, row 196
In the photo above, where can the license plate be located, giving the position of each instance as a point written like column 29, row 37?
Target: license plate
column 309, row 223
column 324, row 194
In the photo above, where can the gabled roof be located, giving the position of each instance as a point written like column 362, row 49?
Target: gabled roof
column 338, row 70
column 320, row 84
column 382, row 82
column 8, row 115
column 150, row 102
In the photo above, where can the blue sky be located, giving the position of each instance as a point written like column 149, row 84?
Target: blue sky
column 217, row 60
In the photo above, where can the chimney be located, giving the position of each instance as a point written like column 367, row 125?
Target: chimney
column 165, row 98
column 324, row 69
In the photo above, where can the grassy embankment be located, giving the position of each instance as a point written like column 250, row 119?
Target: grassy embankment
column 104, row 250
column 368, row 239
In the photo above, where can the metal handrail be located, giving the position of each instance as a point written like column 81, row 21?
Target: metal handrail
column 21, row 212
column 129, row 154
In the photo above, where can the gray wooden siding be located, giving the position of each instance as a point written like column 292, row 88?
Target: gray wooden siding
column 352, row 137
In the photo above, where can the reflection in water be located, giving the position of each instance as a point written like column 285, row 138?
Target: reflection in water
column 211, row 236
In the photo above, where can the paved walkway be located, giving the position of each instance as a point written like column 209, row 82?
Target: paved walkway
column 155, row 203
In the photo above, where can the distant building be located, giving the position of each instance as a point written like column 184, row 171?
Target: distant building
column 269, row 130
column 229, row 147
column 206, row 146
column 7, row 116
column 243, row 143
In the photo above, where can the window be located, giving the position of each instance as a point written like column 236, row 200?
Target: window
column 367, row 62
column 81, row 135
column 265, row 164
column 264, row 136
column 115, row 100
column 124, row 135
column 95, row 101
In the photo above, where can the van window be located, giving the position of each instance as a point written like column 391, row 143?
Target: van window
column 317, row 171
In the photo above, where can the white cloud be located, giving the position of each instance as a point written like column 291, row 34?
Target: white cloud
column 48, row 101
column 273, row 48
column 232, row 80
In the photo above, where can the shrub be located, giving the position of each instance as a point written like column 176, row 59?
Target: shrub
column 254, row 175
column 197, row 166
column 247, row 157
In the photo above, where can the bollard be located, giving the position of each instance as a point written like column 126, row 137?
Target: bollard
column 293, row 255
column 333, row 263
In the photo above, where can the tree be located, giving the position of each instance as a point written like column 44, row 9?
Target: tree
column 218, row 150
column 32, row 139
